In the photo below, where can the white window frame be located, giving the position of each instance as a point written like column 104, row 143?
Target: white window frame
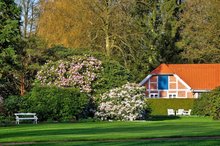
column 154, row 95
column 172, row 95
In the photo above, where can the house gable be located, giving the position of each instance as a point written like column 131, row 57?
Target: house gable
column 174, row 87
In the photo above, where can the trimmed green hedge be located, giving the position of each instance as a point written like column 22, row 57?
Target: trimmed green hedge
column 160, row 106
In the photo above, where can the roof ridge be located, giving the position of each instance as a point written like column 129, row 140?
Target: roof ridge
column 162, row 69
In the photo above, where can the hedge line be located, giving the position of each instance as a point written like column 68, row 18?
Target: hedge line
column 160, row 106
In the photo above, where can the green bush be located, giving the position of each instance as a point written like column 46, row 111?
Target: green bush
column 160, row 106
column 53, row 103
column 201, row 106
column 111, row 76
column 209, row 104
column 1, row 106
column 13, row 104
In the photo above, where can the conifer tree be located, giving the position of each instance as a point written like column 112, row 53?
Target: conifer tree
column 9, row 35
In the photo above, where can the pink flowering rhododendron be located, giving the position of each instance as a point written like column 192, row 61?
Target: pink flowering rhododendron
column 123, row 103
column 76, row 72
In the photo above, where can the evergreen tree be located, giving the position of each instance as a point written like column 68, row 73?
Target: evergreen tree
column 158, row 21
column 9, row 32
column 158, row 31
column 9, row 35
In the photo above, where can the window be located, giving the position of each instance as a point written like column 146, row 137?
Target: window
column 154, row 95
column 163, row 82
column 172, row 95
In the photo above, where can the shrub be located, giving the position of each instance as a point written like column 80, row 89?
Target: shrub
column 111, row 76
column 201, row 106
column 123, row 103
column 78, row 71
column 54, row 103
column 160, row 106
column 1, row 105
column 209, row 104
column 87, row 73
column 13, row 104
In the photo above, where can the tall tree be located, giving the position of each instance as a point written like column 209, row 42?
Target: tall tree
column 65, row 22
column 158, row 21
column 156, row 24
column 19, row 52
column 115, row 25
column 29, row 56
column 139, row 37
column 200, row 31
column 28, row 47
column 9, row 35
column 103, row 25
column 29, row 16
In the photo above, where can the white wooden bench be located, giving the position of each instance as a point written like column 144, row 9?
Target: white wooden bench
column 26, row 116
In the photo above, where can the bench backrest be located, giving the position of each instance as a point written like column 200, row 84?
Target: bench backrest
column 25, row 114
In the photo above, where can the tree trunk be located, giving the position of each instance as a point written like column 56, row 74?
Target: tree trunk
column 107, row 37
column 22, row 86
column 107, row 44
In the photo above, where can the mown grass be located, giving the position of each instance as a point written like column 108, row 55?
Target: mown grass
column 100, row 132
column 136, row 143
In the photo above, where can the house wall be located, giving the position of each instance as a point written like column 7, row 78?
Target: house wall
column 176, row 89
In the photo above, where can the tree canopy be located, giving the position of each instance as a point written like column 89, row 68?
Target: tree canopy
column 200, row 31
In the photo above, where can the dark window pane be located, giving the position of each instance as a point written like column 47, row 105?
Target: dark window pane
column 163, row 82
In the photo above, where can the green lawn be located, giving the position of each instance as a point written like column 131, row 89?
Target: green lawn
column 114, row 133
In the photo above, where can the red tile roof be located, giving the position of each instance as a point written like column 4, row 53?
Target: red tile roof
column 197, row 76
column 162, row 69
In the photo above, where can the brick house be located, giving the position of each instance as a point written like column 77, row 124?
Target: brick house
column 181, row 80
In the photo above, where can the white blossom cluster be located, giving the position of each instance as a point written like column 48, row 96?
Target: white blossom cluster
column 78, row 72
column 123, row 103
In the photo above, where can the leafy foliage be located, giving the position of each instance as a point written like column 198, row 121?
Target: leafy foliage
column 201, row 107
column 77, row 72
column 156, row 25
column 53, row 103
column 200, row 31
column 123, row 103
column 56, row 103
column 111, row 76
column 209, row 104
column 158, row 22
column 9, row 36
column 13, row 104
column 160, row 106
column 50, row 103
column 18, row 56
column 1, row 105
column 108, row 75
column 9, row 33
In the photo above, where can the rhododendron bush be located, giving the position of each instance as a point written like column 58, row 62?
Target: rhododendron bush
column 123, row 103
column 79, row 71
